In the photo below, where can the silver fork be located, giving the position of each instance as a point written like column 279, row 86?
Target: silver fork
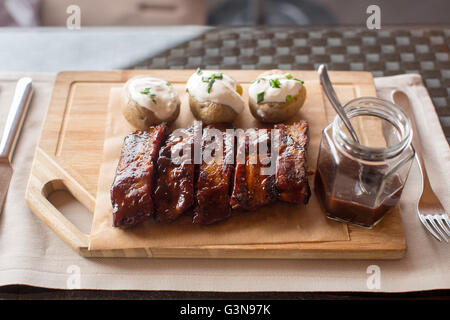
column 429, row 209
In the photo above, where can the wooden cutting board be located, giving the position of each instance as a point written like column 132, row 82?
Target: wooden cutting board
column 69, row 156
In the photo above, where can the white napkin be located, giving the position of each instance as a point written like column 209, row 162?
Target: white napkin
column 30, row 253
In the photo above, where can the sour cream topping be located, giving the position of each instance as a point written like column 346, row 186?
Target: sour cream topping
column 221, row 90
column 154, row 94
column 274, row 88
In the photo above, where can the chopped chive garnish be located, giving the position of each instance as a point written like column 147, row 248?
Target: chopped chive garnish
column 288, row 98
column 199, row 71
column 168, row 84
column 260, row 97
column 147, row 92
column 288, row 76
column 210, row 84
column 211, row 80
column 299, row 80
column 152, row 96
column 275, row 83
column 217, row 76
column 258, row 80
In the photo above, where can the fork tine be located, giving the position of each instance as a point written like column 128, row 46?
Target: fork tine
column 446, row 220
column 436, row 228
column 442, row 225
column 427, row 226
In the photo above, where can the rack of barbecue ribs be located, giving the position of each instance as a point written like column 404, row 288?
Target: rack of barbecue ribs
column 174, row 193
column 131, row 192
column 291, row 177
column 151, row 182
column 214, row 177
column 252, row 188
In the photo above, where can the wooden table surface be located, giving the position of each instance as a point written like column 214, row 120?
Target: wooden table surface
column 26, row 292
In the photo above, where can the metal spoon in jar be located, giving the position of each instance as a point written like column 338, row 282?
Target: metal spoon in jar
column 332, row 96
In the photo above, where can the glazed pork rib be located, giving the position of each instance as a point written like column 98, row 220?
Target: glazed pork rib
column 291, row 176
column 214, row 179
column 145, row 159
column 174, row 193
column 131, row 192
column 252, row 189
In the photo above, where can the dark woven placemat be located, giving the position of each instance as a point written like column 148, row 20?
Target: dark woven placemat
column 394, row 50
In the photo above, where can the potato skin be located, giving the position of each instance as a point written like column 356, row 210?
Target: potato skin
column 140, row 117
column 210, row 112
column 274, row 112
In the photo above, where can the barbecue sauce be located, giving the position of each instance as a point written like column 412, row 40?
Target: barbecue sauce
column 348, row 204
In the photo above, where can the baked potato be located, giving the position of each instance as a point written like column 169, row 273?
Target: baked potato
column 276, row 96
column 147, row 101
column 214, row 97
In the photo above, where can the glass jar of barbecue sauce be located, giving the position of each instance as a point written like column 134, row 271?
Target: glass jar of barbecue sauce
column 359, row 183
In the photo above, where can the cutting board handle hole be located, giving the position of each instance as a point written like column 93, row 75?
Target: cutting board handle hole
column 61, row 198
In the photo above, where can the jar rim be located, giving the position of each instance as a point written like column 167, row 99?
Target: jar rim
column 380, row 108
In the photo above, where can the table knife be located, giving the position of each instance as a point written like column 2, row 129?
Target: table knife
column 13, row 126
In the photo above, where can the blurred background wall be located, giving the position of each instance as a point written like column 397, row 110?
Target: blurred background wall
column 343, row 12
column 221, row 12
column 126, row 12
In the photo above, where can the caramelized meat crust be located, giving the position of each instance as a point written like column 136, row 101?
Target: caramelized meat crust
column 292, row 177
column 131, row 192
column 214, row 179
column 160, row 179
column 252, row 188
column 174, row 193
